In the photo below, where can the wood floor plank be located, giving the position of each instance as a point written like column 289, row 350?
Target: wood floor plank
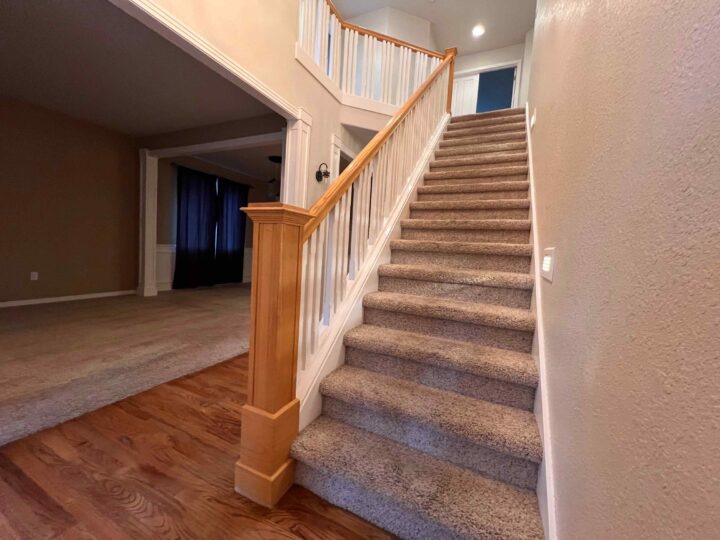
column 155, row 465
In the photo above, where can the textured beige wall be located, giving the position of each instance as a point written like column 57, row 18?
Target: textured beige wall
column 68, row 205
column 627, row 171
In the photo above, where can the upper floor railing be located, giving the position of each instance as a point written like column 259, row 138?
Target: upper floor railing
column 361, row 62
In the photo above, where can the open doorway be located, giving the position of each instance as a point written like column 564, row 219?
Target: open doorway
column 486, row 90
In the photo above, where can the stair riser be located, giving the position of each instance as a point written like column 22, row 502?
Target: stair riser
column 473, row 196
column 482, row 130
column 486, row 461
column 468, row 235
column 479, row 172
column 487, row 148
column 492, row 213
column 500, row 296
column 385, row 513
column 486, row 122
column 467, row 384
column 479, row 180
column 452, row 164
column 506, row 136
column 472, row 261
column 514, row 340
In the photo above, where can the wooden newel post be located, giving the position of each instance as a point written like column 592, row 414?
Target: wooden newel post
column 270, row 418
column 451, row 74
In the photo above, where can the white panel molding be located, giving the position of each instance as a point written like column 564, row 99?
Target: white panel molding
column 55, row 299
column 331, row 352
column 338, row 146
column 293, row 186
column 147, row 282
column 165, row 260
column 172, row 29
column 546, row 479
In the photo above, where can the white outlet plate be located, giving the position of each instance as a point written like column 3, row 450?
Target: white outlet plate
column 547, row 266
column 34, row 276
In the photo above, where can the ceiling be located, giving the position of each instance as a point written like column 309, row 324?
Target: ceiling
column 253, row 162
column 88, row 59
column 506, row 21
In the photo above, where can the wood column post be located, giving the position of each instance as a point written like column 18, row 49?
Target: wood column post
column 451, row 75
column 270, row 418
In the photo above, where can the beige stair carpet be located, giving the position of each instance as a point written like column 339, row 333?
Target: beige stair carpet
column 428, row 430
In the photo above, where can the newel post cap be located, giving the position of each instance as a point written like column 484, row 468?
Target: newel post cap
column 273, row 212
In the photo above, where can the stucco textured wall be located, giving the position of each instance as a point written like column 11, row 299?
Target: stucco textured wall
column 627, row 171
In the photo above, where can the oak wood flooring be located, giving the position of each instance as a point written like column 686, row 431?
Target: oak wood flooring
column 155, row 465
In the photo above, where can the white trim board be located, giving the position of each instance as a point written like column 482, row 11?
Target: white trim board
column 546, row 478
column 331, row 353
column 251, row 141
column 55, row 299
column 161, row 21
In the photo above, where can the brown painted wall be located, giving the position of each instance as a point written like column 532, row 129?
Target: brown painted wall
column 68, row 205
column 627, row 175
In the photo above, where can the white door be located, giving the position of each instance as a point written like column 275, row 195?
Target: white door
column 465, row 94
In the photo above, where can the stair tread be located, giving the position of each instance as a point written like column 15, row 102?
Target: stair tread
column 467, row 224
column 483, row 148
column 452, row 310
column 462, row 502
column 444, row 274
column 501, row 364
column 470, row 204
column 512, row 185
column 478, row 171
column 491, row 121
column 490, row 114
column 504, row 429
column 499, row 136
column 479, row 130
column 491, row 157
column 449, row 246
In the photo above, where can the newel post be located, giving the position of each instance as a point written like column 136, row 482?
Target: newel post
column 270, row 418
column 451, row 74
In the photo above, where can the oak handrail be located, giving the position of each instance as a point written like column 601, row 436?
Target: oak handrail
column 345, row 180
column 378, row 35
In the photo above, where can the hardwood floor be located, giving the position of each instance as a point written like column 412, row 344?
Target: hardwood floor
column 156, row 465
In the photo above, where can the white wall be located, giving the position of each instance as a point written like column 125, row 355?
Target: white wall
column 398, row 24
column 485, row 59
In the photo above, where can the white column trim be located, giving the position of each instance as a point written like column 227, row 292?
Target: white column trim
column 147, row 283
column 293, row 187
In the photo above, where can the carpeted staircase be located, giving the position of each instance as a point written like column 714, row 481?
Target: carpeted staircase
column 428, row 430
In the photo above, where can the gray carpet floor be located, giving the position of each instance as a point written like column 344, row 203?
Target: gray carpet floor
column 59, row 361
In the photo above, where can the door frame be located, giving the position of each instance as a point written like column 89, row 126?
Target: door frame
column 517, row 64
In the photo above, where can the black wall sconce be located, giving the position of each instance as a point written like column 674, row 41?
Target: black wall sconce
column 320, row 174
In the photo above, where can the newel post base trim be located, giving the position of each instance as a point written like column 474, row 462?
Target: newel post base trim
column 264, row 471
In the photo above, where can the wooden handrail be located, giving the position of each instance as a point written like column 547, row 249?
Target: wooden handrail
column 378, row 35
column 343, row 183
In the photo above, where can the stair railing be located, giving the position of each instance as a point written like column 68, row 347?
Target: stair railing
column 362, row 62
column 304, row 264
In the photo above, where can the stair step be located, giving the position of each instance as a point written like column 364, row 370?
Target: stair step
column 509, row 231
column 491, row 114
column 494, row 440
column 474, row 149
column 406, row 492
column 482, row 159
column 473, row 181
column 484, row 324
column 479, row 171
column 504, row 136
column 493, row 363
column 484, row 190
column 471, row 209
column 492, row 121
column 487, row 287
column 466, row 133
column 453, row 310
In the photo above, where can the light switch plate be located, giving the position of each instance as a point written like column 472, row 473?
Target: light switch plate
column 34, row 276
column 547, row 267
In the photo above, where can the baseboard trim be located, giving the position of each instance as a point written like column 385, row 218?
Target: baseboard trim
column 546, row 479
column 55, row 299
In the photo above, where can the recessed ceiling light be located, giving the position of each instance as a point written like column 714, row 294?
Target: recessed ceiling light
column 478, row 30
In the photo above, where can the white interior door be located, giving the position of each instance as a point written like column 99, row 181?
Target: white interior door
column 465, row 93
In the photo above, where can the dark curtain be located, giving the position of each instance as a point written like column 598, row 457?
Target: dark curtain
column 196, row 221
column 230, row 248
